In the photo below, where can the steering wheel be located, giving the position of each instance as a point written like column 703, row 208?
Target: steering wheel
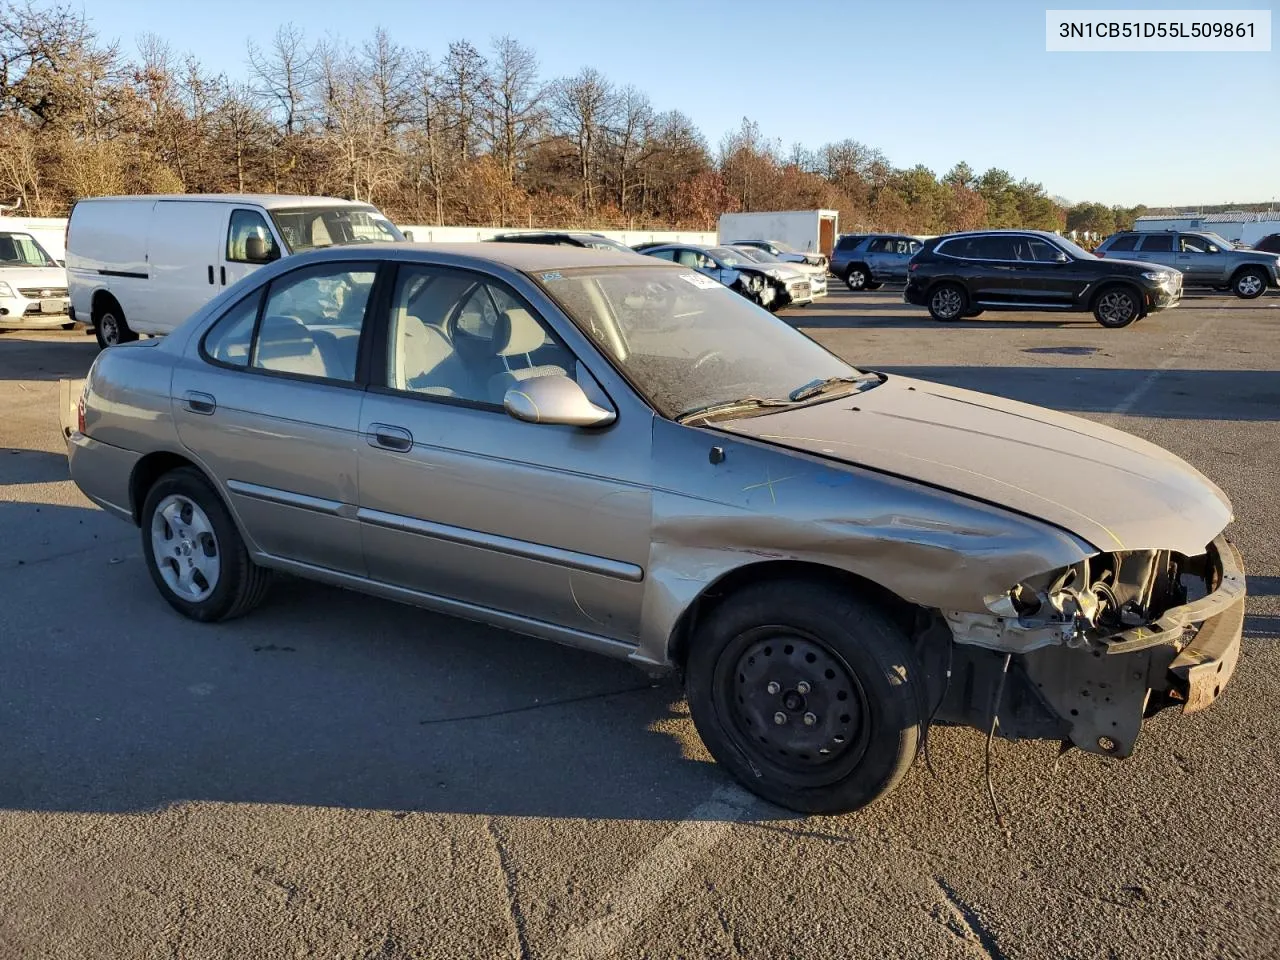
column 707, row 356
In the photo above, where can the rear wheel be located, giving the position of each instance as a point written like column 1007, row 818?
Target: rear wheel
column 1249, row 283
column 194, row 552
column 856, row 277
column 1116, row 307
column 806, row 695
column 110, row 325
column 947, row 301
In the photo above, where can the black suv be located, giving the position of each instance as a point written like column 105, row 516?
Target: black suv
column 962, row 274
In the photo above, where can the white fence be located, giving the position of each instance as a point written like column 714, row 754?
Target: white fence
column 50, row 232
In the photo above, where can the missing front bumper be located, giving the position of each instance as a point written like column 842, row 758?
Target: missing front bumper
column 1096, row 697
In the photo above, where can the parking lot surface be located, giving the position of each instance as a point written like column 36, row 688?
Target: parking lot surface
column 337, row 776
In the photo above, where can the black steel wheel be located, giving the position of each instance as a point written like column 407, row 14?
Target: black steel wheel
column 806, row 694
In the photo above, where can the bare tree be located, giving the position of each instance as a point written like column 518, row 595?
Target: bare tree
column 465, row 83
column 584, row 107
column 515, row 104
column 284, row 75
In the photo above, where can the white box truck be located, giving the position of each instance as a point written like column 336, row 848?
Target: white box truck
column 804, row 231
column 144, row 264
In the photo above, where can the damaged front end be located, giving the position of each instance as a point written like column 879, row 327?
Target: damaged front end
column 1093, row 648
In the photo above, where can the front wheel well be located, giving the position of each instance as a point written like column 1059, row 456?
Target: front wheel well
column 1252, row 268
column 752, row 575
column 102, row 300
column 145, row 474
column 1133, row 288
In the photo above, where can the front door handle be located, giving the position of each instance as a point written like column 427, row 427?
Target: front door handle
column 390, row 438
column 211, row 273
column 223, row 273
column 202, row 403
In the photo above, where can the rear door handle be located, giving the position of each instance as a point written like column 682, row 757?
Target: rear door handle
column 201, row 402
column 390, row 438
column 223, row 273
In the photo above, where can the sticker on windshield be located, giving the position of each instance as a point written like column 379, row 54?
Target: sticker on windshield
column 551, row 276
column 698, row 280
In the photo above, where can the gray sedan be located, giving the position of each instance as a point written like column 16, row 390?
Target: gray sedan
column 625, row 456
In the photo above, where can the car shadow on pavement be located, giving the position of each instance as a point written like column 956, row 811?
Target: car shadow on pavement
column 112, row 702
column 31, row 466
column 1252, row 395
column 46, row 358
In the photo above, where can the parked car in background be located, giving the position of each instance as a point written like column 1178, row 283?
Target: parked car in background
column 798, row 231
column 772, row 286
column 144, row 264
column 868, row 262
column 33, row 287
column 817, row 274
column 564, row 238
column 963, row 274
column 787, row 254
column 622, row 457
column 1204, row 259
column 1268, row 244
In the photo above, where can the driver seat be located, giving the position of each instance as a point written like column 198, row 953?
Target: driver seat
column 516, row 335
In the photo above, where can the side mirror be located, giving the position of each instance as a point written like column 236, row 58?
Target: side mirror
column 408, row 235
column 256, row 251
column 555, row 399
column 1062, row 258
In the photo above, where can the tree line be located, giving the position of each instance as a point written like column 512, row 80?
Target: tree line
column 466, row 137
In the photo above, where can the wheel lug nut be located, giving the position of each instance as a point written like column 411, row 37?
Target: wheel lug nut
column 802, row 688
column 773, row 687
column 810, row 719
column 779, row 718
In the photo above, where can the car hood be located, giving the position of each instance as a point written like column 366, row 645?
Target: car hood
column 1109, row 488
column 52, row 277
column 1137, row 264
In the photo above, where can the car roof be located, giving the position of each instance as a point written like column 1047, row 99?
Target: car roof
column 996, row 230
column 269, row 201
column 525, row 257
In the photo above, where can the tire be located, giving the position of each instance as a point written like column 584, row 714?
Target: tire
column 69, row 326
column 1116, row 307
column 947, row 302
column 1249, row 283
column 183, row 518
column 110, row 326
column 750, row 663
column 970, row 314
column 856, row 277
column 873, row 285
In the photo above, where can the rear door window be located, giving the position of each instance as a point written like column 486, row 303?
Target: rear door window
column 1163, row 243
column 993, row 248
column 1124, row 243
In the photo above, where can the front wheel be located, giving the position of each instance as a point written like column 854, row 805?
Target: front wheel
column 969, row 314
column 947, row 302
column 806, row 695
column 1249, row 283
column 194, row 552
column 1116, row 307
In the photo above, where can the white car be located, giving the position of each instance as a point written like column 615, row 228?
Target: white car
column 817, row 274
column 33, row 287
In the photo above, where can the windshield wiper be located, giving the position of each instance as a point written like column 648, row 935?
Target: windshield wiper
column 815, row 387
column 731, row 406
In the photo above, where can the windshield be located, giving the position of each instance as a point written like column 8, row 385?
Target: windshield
column 756, row 254
column 22, row 250
column 784, row 247
column 604, row 243
column 686, row 342
column 1222, row 242
column 728, row 256
column 306, row 228
column 1080, row 253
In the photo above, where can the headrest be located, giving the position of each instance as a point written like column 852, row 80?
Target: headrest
column 255, row 248
column 517, row 333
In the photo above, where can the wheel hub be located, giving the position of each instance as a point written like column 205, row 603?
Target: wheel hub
column 796, row 701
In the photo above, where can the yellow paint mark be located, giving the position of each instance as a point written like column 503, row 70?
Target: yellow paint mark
column 769, row 482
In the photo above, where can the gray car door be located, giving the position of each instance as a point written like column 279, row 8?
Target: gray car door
column 460, row 500
column 1157, row 248
column 1200, row 260
column 268, row 401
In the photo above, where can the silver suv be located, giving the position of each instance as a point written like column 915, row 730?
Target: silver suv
column 1205, row 259
column 869, row 261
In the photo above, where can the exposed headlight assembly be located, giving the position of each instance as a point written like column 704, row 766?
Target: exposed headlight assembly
column 5, row 290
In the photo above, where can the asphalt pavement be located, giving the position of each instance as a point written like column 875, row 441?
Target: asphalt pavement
column 341, row 777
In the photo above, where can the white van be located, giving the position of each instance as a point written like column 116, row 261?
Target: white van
column 144, row 264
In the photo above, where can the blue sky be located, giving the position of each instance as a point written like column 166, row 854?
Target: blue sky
column 926, row 81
